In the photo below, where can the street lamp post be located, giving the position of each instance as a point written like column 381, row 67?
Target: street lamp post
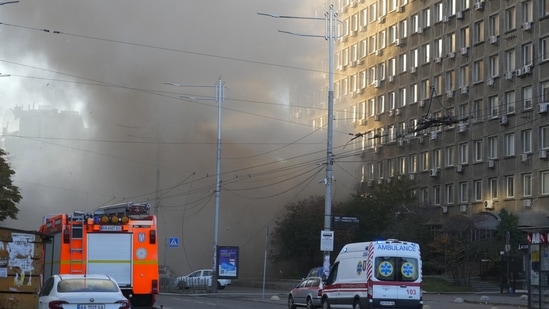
column 330, row 35
column 219, row 98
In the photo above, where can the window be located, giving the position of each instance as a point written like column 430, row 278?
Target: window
column 527, row 97
column 391, row 66
column 402, row 97
column 437, row 83
column 451, row 42
column 509, row 141
column 464, row 75
column 426, row 53
column 544, row 8
column 363, row 48
column 463, row 192
column 510, row 186
column 544, row 136
column 545, row 182
column 527, row 11
column 380, row 104
column 414, row 20
column 437, row 48
column 380, row 170
column 492, row 147
column 451, row 7
column 479, row 31
column 403, row 27
column 354, row 52
column 450, row 155
column 526, row 140
column 391, row 100
column 382, row 39
column 424, row 160
column 362, row 79
column 476, row 110
column 372, row 12
column 463, row 154
column 449, row 80
column 354, row 23
column 493, row 62
column 510, row 63
column 436, row 195
column 477, row 148
column 510, row 102
column 544, row 87
column 477, row 187
column 510, row 19
column 402, row 63
column 364, row 18
column 412, row 160
column 493, row 188
column 371, row 108
column 372, row 44
column 413, row 93
column 427, row 17
column 425, row 89
column 478, row 71
column 414, row 55
column 464, row 37
column 544, row 48
column 527, row 185
column 437, row 158
column 493, row 105
column 393, row 33
column 493, row 24
column 439, row 13
column 450, row 193
column 527, row 54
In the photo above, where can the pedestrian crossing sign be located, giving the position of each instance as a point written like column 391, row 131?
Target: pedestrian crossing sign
column 174, row 242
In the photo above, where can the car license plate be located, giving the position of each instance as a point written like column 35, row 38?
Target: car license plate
column 387, row 303
column 91, row 306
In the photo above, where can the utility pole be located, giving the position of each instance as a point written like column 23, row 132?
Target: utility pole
column 219, row 98
column 330, row 35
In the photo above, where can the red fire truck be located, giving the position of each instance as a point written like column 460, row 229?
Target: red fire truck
column 119, row 240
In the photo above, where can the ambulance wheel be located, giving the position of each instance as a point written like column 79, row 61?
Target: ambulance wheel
column 291, row 304
column 325, row 304
column 356, row 304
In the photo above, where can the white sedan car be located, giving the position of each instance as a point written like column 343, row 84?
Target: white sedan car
column 200, row 278
column 83, row 292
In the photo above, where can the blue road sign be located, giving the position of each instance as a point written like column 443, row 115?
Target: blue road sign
column 174, row 242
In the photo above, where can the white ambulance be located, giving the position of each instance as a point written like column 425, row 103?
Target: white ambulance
column 375, row 274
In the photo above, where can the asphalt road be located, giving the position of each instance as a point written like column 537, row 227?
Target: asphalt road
column 249, row 297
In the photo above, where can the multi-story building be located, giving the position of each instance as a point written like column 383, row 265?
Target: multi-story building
column 453, row 94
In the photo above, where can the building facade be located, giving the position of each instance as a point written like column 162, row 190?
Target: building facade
column 453, row 94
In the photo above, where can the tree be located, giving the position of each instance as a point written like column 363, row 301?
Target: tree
column 296, row 237
column 386, row 211
column 9, row 194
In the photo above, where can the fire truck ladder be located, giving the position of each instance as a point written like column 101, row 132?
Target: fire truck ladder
column 77, row 244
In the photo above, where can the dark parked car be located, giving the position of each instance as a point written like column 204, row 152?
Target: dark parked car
column 306, row 294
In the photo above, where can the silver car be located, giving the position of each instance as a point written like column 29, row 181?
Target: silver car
column 200, row 279
column 306, row 294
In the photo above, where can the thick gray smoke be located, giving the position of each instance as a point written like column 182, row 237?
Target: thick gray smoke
column 108, row 61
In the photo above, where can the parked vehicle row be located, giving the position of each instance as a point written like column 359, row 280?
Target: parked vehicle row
column 376, row 274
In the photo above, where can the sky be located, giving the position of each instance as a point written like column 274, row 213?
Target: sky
column 110, row 62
